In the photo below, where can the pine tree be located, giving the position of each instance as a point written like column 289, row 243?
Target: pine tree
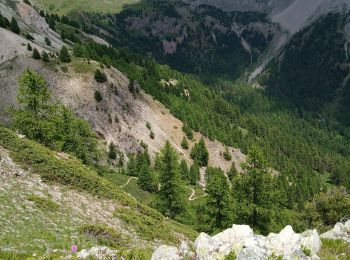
column 200, row 153
column 253, row 191
column 194, row 174
column 184, row 173
column 14, row 26
column 29, row 47
column 184, row 143
column 47, row 41
column 146, row 179
column 64, row 54
column 45, row 57
column 100, row 77
column 131, row 168
column 36, row 54
column 232, row 173
column 188, row 131
column 219, row 212
column 112, row 152
column 170, row 200
column 227, row 154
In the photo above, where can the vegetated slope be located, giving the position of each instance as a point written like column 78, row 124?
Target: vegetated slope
column 313, row 70
column 64, row 7
column 73, row 205
column 188, row 38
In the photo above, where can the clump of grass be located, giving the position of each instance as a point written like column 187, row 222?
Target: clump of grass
column 104, row 235
column 306, row 251
column 43, row 203
column 334, row 249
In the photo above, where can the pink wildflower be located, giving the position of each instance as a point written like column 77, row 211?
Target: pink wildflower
column 74, row 248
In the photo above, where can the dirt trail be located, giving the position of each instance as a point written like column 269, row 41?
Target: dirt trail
column 127, row 182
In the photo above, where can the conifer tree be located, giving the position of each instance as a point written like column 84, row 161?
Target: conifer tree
column 219, row 212
column 184, row 143
column 232, row 173
column 14, row 26
column 146, row 179
column 100, row 77
column 253, row 193
column 184, row 173
column 194, row 174
column 112, row 152
column 188, row 131
column 200, row 153
column 170, row 200
column 29, row 47
column 47, row 41
column 36, row 54
column 64, row 54
column 45, row 57
column 131, row 168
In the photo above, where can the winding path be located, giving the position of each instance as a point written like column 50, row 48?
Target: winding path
column 191, row 197
column 127, row 182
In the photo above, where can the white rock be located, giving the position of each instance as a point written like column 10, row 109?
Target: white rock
column 98, row 252
column 207, row 247
column 311, row 240
column 236, row 234
column 166, row 253
column 340, row 231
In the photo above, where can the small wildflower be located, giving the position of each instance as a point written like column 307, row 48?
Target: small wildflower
column 74, row 249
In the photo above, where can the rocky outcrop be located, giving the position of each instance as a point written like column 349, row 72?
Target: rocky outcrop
column 97, row 252
column 247, row 245
column 340, row 231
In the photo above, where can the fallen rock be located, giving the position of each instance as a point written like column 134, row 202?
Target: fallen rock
column 98, row 252
column 340, row 231
column 164, row 252
column 248, row 246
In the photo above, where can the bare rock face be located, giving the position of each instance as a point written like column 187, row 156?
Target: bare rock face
column 340, row 231
column 241, row 240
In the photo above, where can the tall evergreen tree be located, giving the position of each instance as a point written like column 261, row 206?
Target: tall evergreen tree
column 14, row 26
column 146, row 179
column 64, row 54
column 45, row 57
column 184, row 173
column 253, row 191
column 29, row 47
column 184, row 143
column 200, row 153
column 36, row 54
column 219, row 210
column 132, row 168
column 194, row 174
column 170, row 200
column 112, row 152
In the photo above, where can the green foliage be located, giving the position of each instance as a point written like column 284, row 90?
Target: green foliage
column 184, row 143
column 47, row 41
column 231, row 256
column 43, row 203
column 100, row 77
column 253, row 192
column 64, row 55
column 29, row 47
column 218, row 209
column 227, row 154
column 188, row 131
column 4, row 22
column 112, row 151
column 45, row 57
column 194, row 173
column 98, row 96
column 306, row 251
column 327, row 208
column 184, row 172
column 104, row 235
column 200, row 153
column 14, row 26
column 29, row 37
column 146, row 180
column 232, row 173
column 152, row 135
column 334, row 249
column 36, row 54
column 170, row 200
column 50, row 123
column 148, row 125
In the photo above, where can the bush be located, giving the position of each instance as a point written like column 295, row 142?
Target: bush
column 14, row 26
column 227, row 154
column 36, row 54
column 100, row 77
column 29, row 47
column 104, row 235
column 152, row 135
column 47, row 41
column 98, row 96
column 29, row 37
column 43, row 203
column 64, row 54
column 112, row 153
column 184, row 143
column 45, row 57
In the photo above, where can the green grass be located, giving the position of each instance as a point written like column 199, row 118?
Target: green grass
column 72, row 174
column 334, row 249
column 43, row 203
column 81, row 66
column 64, row 7
column 133, row 189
